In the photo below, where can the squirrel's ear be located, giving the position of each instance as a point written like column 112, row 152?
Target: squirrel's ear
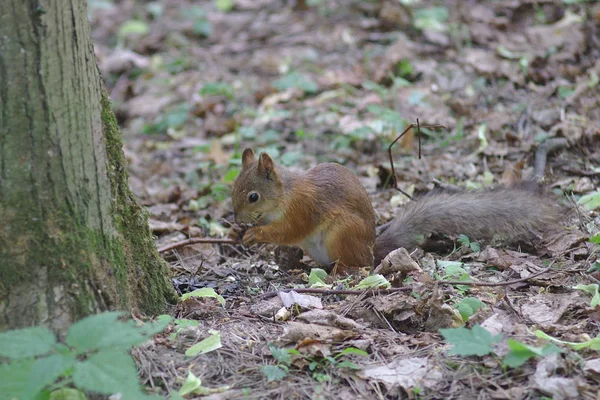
column 266, row 165
column 247, row 157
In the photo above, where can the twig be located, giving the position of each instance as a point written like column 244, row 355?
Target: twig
column 507, row 283
column 328, row 292
column 370, row 292
column 187, row 242
column 393, row 169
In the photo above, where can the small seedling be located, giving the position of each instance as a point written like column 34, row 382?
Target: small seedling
column 468, row 307
column 520, row 353
column 470, row 342
column 466, row 243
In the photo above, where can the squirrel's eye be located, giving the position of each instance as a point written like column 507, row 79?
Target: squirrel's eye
column 253, row 197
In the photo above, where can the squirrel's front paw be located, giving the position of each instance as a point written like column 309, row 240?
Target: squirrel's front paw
column 235, row 233
column 252, row 236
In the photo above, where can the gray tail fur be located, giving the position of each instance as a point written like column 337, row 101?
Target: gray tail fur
column 510, row 213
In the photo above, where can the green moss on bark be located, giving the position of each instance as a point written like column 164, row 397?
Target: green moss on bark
column 146, row 268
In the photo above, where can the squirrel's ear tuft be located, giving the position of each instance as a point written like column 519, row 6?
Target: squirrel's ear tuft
column 266, row 165
column 247, row 157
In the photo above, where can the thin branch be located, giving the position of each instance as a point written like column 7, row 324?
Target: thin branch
column 507, row 283
column 328, row 292
column 371, row 292
column 187, row 242
column 393, row 169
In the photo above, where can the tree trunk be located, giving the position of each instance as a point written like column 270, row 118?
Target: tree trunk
column 73, row 239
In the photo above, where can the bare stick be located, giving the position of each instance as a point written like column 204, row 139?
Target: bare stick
column 187, row 242
column 329, row 292
column 393, row 169
column 507, row 283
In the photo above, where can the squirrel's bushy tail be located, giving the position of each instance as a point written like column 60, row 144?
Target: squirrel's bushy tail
column 510, row 213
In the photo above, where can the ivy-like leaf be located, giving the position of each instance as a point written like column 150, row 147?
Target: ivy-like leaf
column 280, row 354
column 108, row 372
column 274, row 373
column 14, row 378
column 45, row 371
column 470, row 342
column 469, row 306
column 105, row 331
column 25, row 343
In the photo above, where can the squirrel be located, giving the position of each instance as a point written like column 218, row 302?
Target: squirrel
column 327, row 212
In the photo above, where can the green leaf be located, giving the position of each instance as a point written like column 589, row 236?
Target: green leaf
column 280, row 354
column 290, row 158
column 590, row 201
column 103, row 331
column 565, row 91
column 14, row 378
column 218, row 89
column 373, row 282
column 295, row 80
column 67, row 394
column 107, row 372
column 520, row 353
column 213, row 342
column 464, row 240
column 470, row 342
column 454, row 270
column 348, row 364
column 185, row 323
column 247, row 132
column 47, row 370
column 595, row 267
column 433, row 18
column 191, row 384
column 224, row 5
column 593, row 344
column 25, row 343
column 595, row 239
column 593, row 290
column 204, row 292
column 469, row 306
column 316, row 278
column 352, row 350
column 231, row 175
column 133, row 27
column 202, row 27
column 274, row 373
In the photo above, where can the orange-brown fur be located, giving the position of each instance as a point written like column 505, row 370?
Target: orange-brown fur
column 326, row 200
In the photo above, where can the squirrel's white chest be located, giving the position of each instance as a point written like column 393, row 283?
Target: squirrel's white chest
column 314, row 245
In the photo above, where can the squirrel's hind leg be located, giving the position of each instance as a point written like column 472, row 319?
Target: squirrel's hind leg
column 350, row 243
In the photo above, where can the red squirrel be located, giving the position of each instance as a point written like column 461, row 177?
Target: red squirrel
column 327, row 212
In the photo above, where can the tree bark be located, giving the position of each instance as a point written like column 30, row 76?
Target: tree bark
column 73, row 239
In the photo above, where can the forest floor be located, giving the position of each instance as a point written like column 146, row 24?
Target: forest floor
column 195, row 82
